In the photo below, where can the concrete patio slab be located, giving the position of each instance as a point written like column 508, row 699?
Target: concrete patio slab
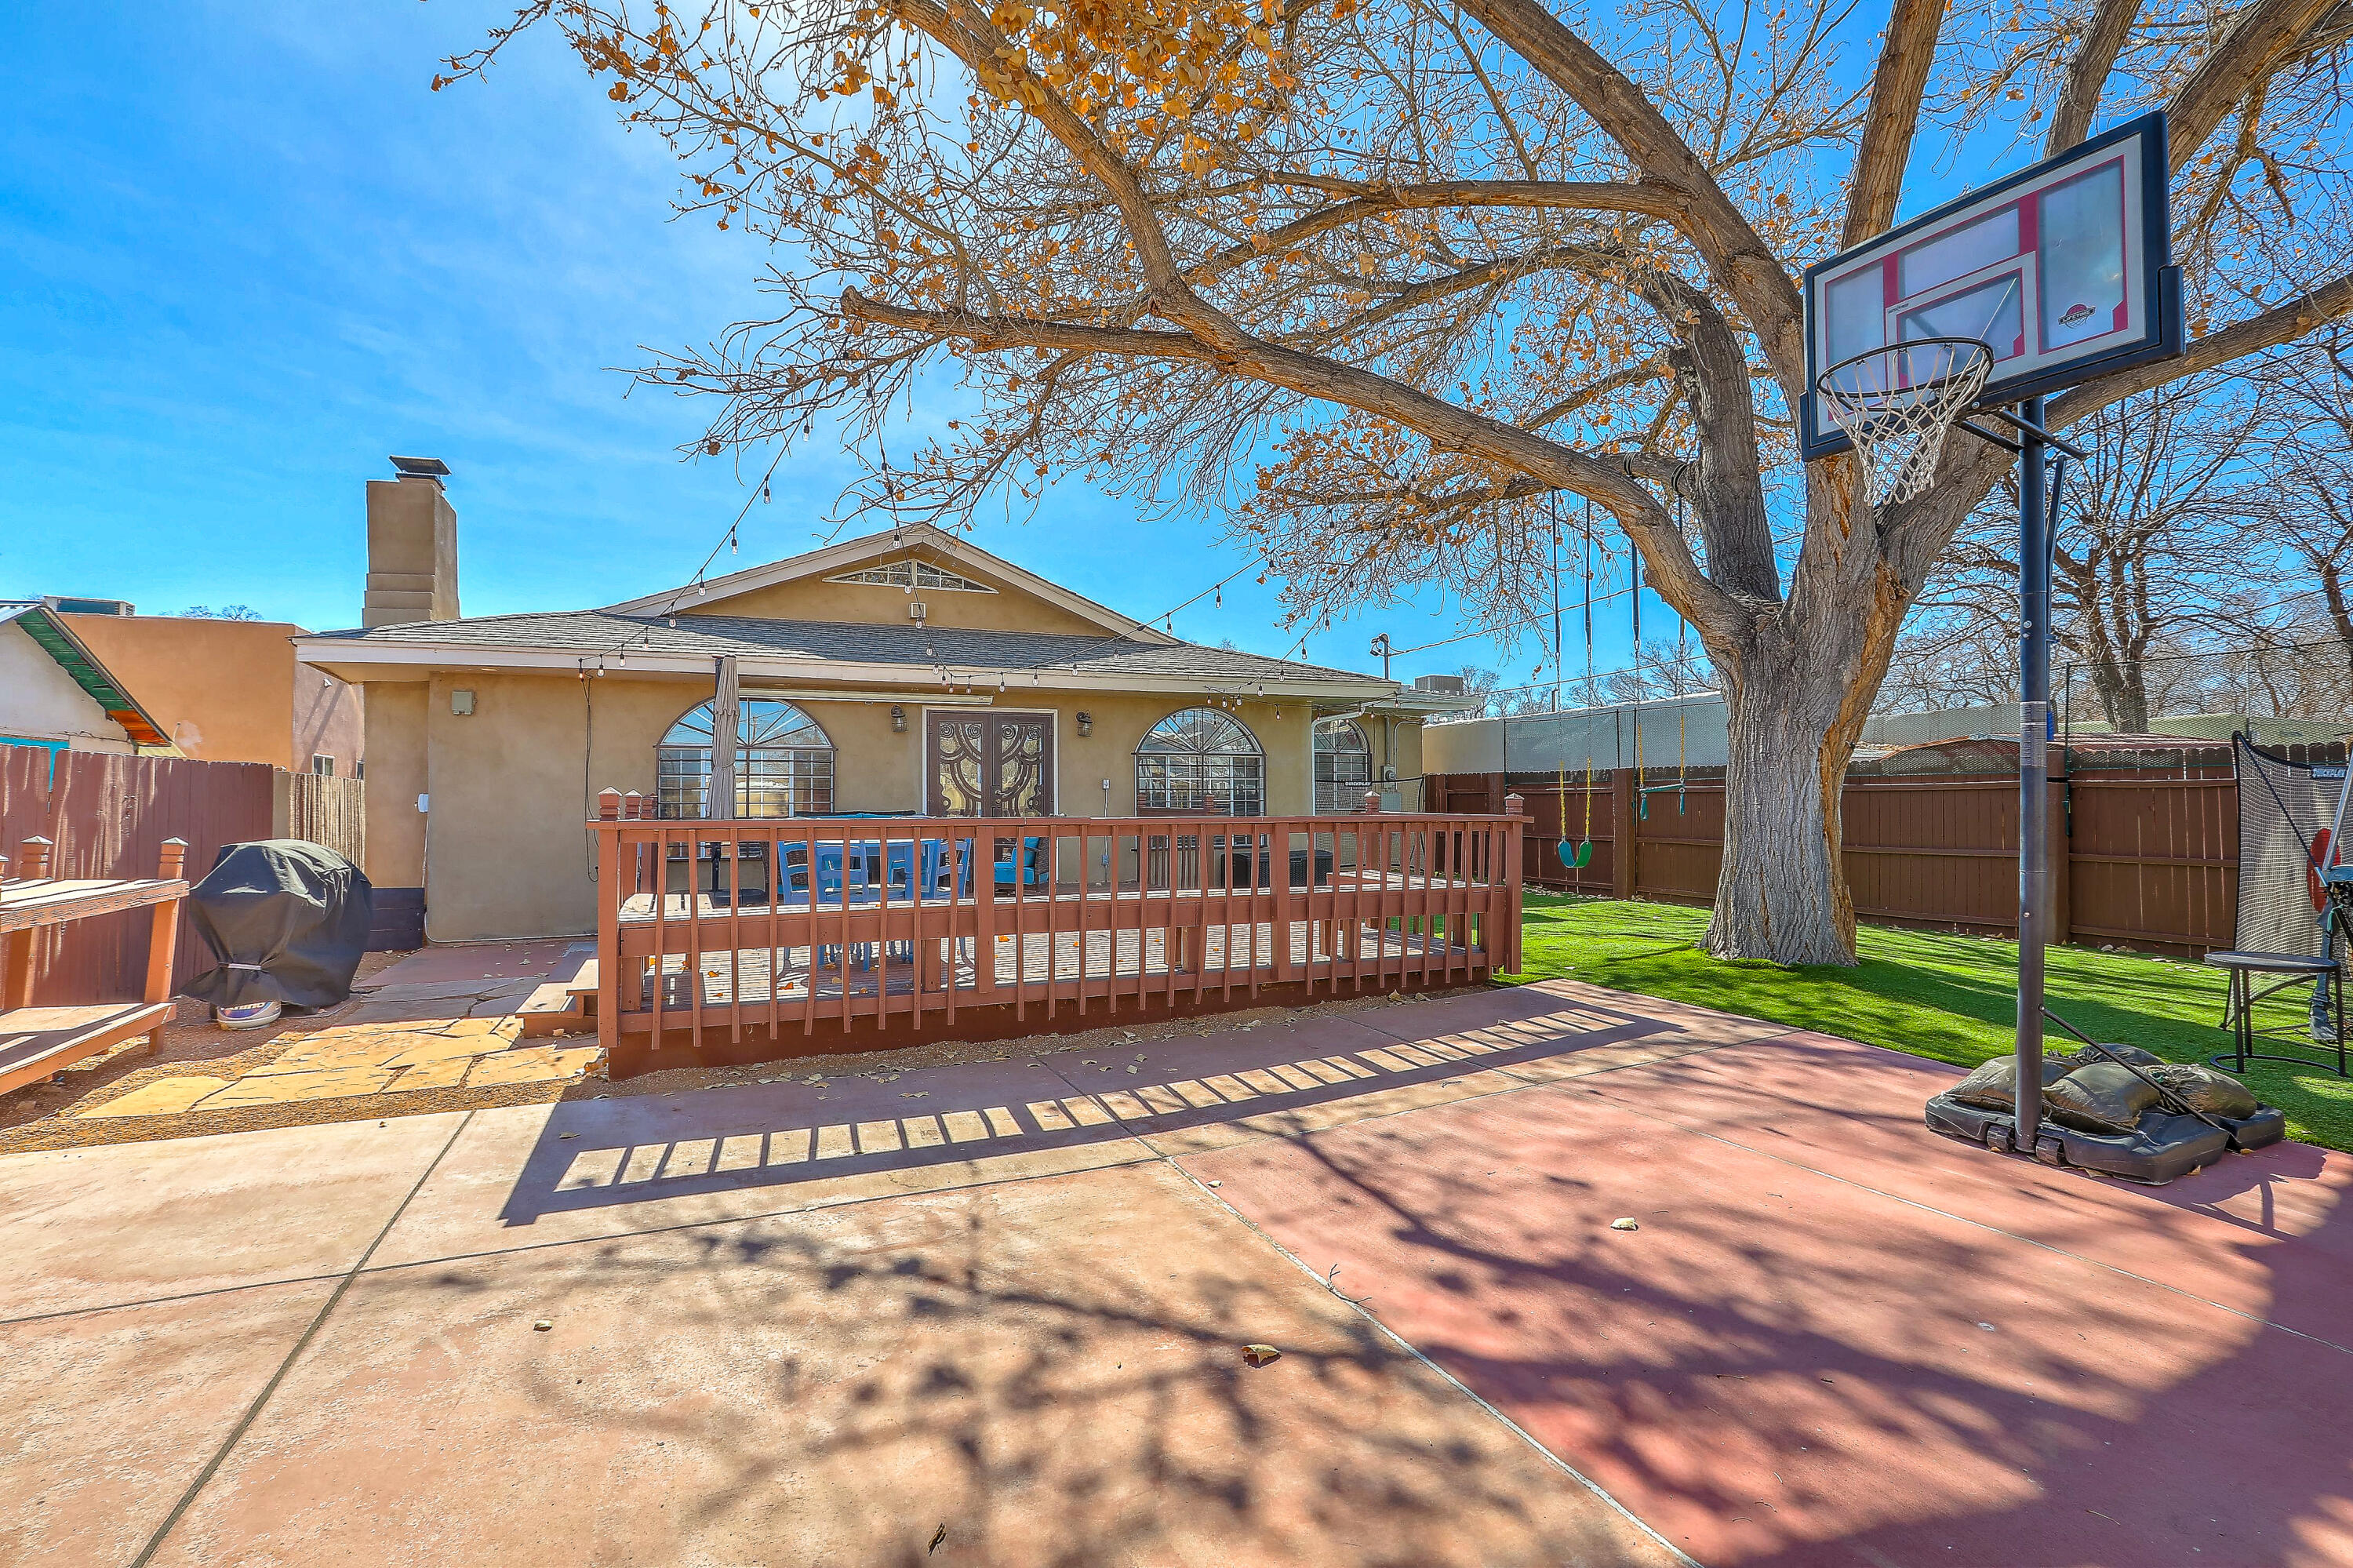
column 112, row 1415
column 482, row 965
column 1788, row 1364
column 822, row 1317
column 999, row 1376
column 98, row 1227
column 1834, row 1103
column 586, row 1170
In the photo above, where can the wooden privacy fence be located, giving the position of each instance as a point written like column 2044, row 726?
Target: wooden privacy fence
column 331, row 812
column 2151, row 858
column 727, row 939
column 106, row 817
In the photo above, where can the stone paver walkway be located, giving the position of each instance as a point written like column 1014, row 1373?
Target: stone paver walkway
column 994, row 1314
column 442, row 1019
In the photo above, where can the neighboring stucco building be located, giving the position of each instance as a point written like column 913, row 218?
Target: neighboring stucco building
column 231, row 691
column 908, row 671
column 90, row 675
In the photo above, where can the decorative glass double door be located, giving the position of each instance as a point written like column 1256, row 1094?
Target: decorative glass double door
column 991, row 765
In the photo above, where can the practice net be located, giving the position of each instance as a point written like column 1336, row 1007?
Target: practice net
column 2287, row 814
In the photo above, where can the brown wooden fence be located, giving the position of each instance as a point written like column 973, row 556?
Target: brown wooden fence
column 2152, row 859
column 108, row 816
column 331, row 812
column 739, row 940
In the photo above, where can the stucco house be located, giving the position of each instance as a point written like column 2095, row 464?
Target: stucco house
column 907, row 672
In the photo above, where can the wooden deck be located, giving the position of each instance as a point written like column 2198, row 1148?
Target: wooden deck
column 38, row 1041
column 1202, row 916
column 35, row 1042
column 52, row 901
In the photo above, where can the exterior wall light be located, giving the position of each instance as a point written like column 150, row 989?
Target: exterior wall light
column 898, row 719
column 1086, row 724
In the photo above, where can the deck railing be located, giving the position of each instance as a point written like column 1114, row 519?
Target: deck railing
column 712, row 932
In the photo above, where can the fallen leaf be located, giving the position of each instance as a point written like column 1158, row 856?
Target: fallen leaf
column 1260, row 1355
column 1624, row 1225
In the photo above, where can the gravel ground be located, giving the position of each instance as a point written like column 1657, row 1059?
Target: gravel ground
column 40, row 1116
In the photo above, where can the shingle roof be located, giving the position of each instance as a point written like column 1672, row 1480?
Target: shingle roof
column 589, row 632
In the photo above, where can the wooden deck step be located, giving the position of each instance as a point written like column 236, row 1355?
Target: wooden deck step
column 36, row 1041
column 567, row 1000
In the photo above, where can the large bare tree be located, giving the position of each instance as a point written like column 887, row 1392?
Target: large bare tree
column 2153, row 551
column 2305, row 506
column 1386, row 280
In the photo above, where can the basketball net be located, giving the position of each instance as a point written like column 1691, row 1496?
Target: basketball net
column 1896, row 403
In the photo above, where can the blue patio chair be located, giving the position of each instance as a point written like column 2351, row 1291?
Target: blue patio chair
column 1021, row 866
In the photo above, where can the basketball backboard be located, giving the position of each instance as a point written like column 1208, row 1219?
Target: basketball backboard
column 2064, row 270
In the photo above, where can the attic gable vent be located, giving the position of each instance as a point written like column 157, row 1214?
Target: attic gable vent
column 913, row 573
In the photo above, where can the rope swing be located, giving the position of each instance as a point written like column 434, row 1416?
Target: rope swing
column 1576, row 857
column 1643, row 788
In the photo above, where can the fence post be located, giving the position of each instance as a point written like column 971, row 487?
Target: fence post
column 1372, row 802
column 608, row 926
column 1516, row 808
column 164, row 934
column 2063, row 863
column 37, row 858
column 1622, row 832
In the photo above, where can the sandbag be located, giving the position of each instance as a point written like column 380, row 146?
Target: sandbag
column 1994, row 1085
column 2202, row 1088
column 2099, row 1097
column 2133, row 1054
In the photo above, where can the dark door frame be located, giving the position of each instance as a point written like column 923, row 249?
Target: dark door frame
column 1049, row 718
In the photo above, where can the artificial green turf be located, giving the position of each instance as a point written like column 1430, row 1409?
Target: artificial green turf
column 1951, row 998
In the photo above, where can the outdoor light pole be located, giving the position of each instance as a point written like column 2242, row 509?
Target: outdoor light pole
column 2034, row 767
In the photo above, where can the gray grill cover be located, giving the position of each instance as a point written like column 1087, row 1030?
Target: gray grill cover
column 287, row 922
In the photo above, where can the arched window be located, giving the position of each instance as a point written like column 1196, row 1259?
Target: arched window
column 784, row 763
column 1343, row 767
column 1201, row 759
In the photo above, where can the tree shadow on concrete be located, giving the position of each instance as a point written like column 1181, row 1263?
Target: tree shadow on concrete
column 1839, row 1340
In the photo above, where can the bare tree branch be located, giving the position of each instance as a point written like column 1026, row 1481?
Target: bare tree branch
column 1894, row 118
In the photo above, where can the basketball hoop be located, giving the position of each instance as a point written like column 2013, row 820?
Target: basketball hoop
column 1896, row 404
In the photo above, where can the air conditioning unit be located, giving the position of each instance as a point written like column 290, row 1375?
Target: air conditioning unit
column 1438, row 685
column 88, row 605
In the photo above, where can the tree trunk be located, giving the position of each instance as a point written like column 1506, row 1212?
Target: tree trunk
column 1782, row 893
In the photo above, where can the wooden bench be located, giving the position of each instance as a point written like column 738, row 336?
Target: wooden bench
column 36, row 1042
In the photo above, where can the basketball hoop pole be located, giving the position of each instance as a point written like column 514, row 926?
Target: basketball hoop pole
column 2034, row 767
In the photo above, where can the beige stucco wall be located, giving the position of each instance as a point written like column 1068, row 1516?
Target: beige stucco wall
column 509, row 854
column 395, row 720
column 228, row 691
column 1008, row 609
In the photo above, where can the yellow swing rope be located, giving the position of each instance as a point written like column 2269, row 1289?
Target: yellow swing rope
column 1578, row 856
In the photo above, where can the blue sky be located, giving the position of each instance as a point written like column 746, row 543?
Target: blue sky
column 249, row 254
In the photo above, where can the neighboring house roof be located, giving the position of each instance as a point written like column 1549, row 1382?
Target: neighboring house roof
column 845, row 649
column 851, row 552
column 45, row 627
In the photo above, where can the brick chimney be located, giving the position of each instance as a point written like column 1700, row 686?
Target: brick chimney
column 412, row 534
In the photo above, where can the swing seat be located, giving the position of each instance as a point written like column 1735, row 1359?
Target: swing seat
column 1576, row 857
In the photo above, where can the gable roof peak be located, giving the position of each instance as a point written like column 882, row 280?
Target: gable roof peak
column 830, row 558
